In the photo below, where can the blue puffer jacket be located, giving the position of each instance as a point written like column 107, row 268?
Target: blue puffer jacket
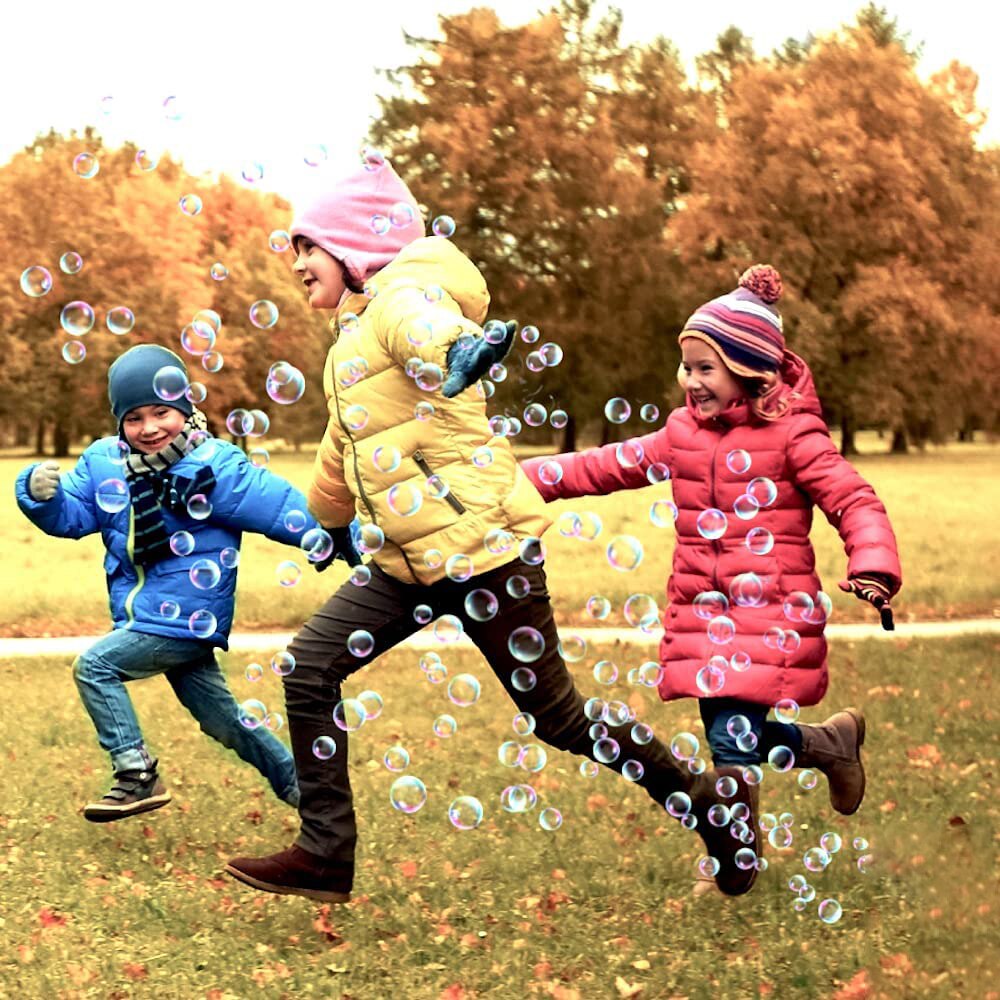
column 245, row 498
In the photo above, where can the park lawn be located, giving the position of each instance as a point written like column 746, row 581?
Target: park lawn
column 600, row 908
column 939, row 503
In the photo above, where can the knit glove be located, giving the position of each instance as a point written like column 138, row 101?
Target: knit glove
column 876, row 589
column 343, row 548
column 44, row 481
column 468, row 364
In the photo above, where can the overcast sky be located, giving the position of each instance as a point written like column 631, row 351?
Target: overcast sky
column 268, row 81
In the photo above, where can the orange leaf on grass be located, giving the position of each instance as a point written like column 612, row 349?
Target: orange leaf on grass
column 408, row 869
column 454, row 992
column 49, row 918
column 135, row 970
column 858, row 988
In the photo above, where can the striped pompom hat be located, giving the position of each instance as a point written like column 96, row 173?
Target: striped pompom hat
column 743, row 326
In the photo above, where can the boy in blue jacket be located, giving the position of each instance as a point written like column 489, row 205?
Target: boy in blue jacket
column 171, row 503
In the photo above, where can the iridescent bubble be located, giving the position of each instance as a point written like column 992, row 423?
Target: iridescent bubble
column 36, row 281
column 433, row 558
column 445, row 726
column 202, row 624
column 296, row 520
column 396, row 758
column 759, row 541
column 481, row 605
column 532, row 757
column 212, row 361
column 379, row 224
column 718, row 815
column 448, row 628
column 747, row 590
column 405, row 499
column 530, row 334
column 531, row 551
column 145, row 160
column 169, row 383
column 317, row 544
column 85, row 165
column 463, row 690
column 443, row 225
column 649, row 413
column 356, row 417
column 509, row 752
column 526, row 644
column 624, row 553
column 535, row 415
column 74, row 351
column 773, row 637
column 865, row 863
column 711, row 523
column 170, row 610
column 288, row 573
column 239, row 422
column 218, row 271
column 605, row 672
column 190, row 204
column 324, row 747
column 482, row 457
column 746, row 507
column 709, row 604
column 263, row 314
column 69, row 263
column 684, row 746
column 797, row 605
column 598, row 607
column 372, row 703
column 254, row 672
column 572, row 648
column 386, row 458
column 459, row 567
column 282, row 663
column 738, row 461
column 762, row 490
column 173, row 108
column 518, row 798
column 780, row 838
column 465, row 812
column 429, row 377
column 710, row 679
column 285, row 384
column 274, row 721
column 550, row 473
column 708, row 867
column 361, row 576
column 314, row 155
column 658, row 473
column 407, row 794
column 198, row 507
column 830, row 911
column 518, row 586
column 606, row 750
column 663, row 513
column 198, row 338
column 360, row 643
column 252, row 713
column 816, row 859
column 808, row 779
column 721, row 630
column 424, row 410
column 786, row 710
column 279, row 241
column 252, row 171
column 523, row 679
column 650, row 674
column 558, row 419
column 498, row 541
column 205, row 574
column 781, row 759
column 617, row 410
column 629, row 454
column 678, row 804
column 550, row 819
column 523, row 724
column 552, row 354
column 112, row 496
column 182, row 543
column 752, row 773
column 737, row 725
column 831, row 842
column 196, row 393
column 349, row 715
column 77, row 318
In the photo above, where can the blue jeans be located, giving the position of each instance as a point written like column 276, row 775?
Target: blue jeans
column 123, row 655
column 726, row 750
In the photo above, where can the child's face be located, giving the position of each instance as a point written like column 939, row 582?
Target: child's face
column 320, row 273
column 150, row 428
column 711, row 385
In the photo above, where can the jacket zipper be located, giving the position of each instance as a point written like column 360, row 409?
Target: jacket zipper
column 716, row 544
column 361, row 487
column 139, row 571
column 449, row 498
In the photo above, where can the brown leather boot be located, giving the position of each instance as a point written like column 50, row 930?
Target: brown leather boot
column 296, row 872
column 834, row 747
column 732, row 879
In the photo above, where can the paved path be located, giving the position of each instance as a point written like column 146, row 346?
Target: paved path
column 70, row 645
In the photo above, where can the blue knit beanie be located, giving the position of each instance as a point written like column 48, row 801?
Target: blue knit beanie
column 130, row 380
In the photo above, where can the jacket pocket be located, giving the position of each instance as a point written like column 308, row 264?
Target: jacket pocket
column 449, row 498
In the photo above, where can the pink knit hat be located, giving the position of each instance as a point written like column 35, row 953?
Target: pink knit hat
column 364, row 221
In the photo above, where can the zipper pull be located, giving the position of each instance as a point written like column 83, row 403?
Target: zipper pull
column 418, row 456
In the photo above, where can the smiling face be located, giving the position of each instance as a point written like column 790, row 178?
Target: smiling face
column 150, row 428
column 711, row 385
column 321, row 273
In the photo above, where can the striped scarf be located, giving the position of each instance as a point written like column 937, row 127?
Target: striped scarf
column 150, row 485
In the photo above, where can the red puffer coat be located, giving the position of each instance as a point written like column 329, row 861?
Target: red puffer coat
column 797, row 455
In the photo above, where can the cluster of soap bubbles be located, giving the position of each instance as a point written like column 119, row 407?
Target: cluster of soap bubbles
column 254, row 714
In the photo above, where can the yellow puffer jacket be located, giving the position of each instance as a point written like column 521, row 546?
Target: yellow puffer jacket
column 432, row 476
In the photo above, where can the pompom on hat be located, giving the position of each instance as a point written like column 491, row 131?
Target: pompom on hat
column 743, row 325
column 363, row 221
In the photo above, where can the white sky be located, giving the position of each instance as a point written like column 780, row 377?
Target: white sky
column 263, row 80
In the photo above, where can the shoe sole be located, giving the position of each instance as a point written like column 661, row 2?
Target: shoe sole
column 108, row 814
column 859, row 721
column 322, row 895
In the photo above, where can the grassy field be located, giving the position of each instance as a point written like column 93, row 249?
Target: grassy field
column 940, row 503
column 601, row 907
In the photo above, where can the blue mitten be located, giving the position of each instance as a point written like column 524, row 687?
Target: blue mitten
column 468, row 364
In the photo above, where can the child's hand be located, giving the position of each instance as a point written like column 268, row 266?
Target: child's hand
column 467, row 364
column 44, row 481
column 876, row 589
column 343, row 548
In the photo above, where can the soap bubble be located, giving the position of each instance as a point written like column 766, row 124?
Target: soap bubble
column 738, row 461
column 212, row 361
column 445, row 726
column 202, row 624
column 146, row 160
column 459, row 567
column 781, row 759
column 481, row 605
column 448, row 628
column 678, row 804
column 218, row 271
column 190, row 204
column 663, row 513
column 558, row 419
column 598, row 607
column 786, row 710
column 573, row 648
column 198, row 338
column 830, row 911
column 36, row 281
column 253, row 672
column 112, row 495
column 617, row 410
column 69, row 263
column 523, row 679
column 360, row 643
column 797, row 605
column 711, row 523
column 710, row 679
column 282, row 663
column 396, row 758
column 746, row 507
column 314, row 155
column 386, row 458
column 629, row 454
column 649, row 413
column 252, row 713
column 624, row 553
column 721, row 630
column 759, row 541
column 443, row 225
column 205, row 574
column 317, row 544
column 324, row 747
column 169, row 383
column 550, row 473
column 407, row 794
column 85, row 165
column 535, row 415
column 518, row 798
column 526, row 644
column 762, row 490
column 463, row 690
column 684, row 746
column 252, row 171
column 349, row 715
column 74, row 351
column 182, row 543
column 641, row 611
column 550, row 819
column 405, row 499
column 285, row 384
column 709, row 604
column 77, row 318
column 263, row 314
column 816, row 859
column 465, row 812
column 288, row 573
column 605, row 672
column 517, row 586
column 279, row 241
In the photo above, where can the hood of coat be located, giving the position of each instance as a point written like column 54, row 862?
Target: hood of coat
column 798, row 391
column 432, row 261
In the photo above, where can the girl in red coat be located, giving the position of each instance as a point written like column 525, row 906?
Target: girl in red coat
column 750, row 456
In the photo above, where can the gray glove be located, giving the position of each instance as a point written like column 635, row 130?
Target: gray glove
column 44, row 481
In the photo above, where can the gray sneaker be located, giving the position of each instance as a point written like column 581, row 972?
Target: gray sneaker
column 132, row 792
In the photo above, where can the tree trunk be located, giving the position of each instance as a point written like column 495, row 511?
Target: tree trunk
column 899, row 444
column 60, row 440
column 40, row 438
column 569, row 436
column 22, row 435
column 847, row 445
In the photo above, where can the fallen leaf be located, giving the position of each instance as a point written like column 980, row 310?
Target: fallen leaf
column 858, row 988
column 627, row 989
column 135, row 970
column 408, row 869
column 50, row 918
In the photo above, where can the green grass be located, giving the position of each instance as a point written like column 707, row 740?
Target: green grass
column 140, row 908
column 939, row 503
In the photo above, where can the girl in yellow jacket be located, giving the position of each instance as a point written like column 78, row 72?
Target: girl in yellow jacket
column 448, row 517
